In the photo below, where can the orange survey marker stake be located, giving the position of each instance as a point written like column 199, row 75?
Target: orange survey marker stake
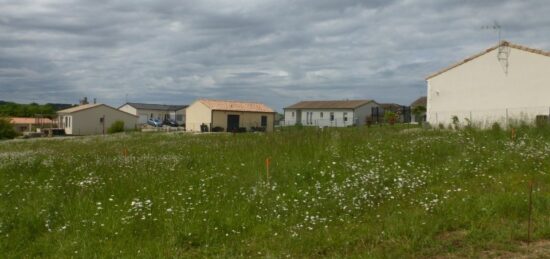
column 513, row 134
column 267, row 163
column 125, row 152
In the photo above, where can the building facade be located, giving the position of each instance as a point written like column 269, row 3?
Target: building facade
column 92, row 119
column 229, row 116
column 329, row 113
column 505, row 83
column 146, row 111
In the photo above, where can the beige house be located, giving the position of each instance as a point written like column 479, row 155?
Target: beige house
column 91, row 119
column 503, row 83
column 230, row 116
column 162, row 112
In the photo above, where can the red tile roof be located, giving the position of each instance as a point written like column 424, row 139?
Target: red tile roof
column 23, row 120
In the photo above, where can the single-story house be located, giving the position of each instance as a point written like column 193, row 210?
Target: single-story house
column 146, row 111
column 340, row 113
column 24, row 124
column 503, row 83
column 90, row 119
column 230, row 116
column 418, row 109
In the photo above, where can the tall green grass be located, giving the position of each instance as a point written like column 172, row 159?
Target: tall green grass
column 368, row 192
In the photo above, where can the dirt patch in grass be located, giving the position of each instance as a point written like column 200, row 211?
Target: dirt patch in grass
column 538, row 249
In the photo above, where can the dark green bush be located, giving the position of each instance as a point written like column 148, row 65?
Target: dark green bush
column 6, row 129
column 117, row 126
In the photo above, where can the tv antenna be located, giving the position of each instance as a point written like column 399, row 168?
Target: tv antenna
column 503, row 46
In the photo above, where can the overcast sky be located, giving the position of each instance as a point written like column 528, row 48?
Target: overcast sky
column 274, row 51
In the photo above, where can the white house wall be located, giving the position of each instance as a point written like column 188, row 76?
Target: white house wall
column 87, row 122
column 363, row 112
column 481, row 91
column 317, row 120
column 144, row 115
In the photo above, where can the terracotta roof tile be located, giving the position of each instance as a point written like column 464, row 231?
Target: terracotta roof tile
column 24, row 120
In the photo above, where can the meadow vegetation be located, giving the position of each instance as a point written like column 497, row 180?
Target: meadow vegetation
column 357, row 192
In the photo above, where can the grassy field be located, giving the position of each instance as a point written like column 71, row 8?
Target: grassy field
column 358, row 192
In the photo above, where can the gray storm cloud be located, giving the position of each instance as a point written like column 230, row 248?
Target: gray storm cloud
column 277, row 52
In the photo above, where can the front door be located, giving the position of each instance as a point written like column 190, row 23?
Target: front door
column 232, row 123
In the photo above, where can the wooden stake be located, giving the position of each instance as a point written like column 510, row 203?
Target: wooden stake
column 513, row 134
column 267, row 162
column 530, row 212
column 125, row 152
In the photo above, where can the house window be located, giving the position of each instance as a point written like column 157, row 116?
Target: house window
column 292, row 114
column 264, row 121
column 66, row 121
column 345, row 116
column 151, row 116
column 332, row 116
column 321, row 115
column 69, row 122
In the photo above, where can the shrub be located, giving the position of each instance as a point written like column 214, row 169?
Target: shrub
column 496, row 127
column 456, row 122
column 6, row 129
column 390, row 117
column 117, row 126
column 541, row 121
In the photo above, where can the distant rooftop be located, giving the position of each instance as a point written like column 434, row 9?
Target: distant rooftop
column 422, row 101
column 334, row 104
column 26, row 120
column 160, row 107
column 229, row 105
column 80, row 108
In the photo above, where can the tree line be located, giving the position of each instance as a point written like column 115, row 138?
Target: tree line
column 10, row 109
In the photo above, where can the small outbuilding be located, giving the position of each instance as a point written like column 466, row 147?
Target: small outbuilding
column 146, row 111
column 25, row 124
column 230, row 116
column 91, row 119
column 340, row 113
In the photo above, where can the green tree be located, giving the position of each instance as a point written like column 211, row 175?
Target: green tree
column 6, row 129
column 117, row 126
column 390, row 117
column 418, row 111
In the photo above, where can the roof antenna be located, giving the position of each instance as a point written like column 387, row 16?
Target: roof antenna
column 503, row 46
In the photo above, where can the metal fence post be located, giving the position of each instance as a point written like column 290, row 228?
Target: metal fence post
column 507, row 118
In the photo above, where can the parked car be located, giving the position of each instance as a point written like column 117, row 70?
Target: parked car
column 171, row 123
column 154, row 122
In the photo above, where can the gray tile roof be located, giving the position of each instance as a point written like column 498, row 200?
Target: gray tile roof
column 160, row 107
column 340, row 104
